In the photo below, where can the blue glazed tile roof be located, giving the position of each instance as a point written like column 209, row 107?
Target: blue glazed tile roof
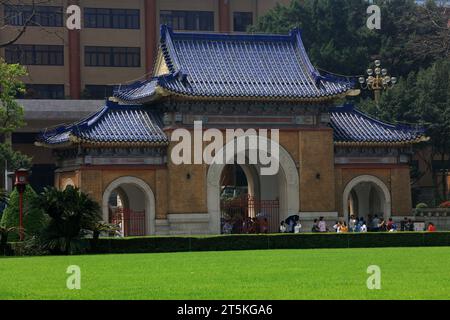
column 114, row 123
column 236, row 66
column 136, row 124
column 353, row 126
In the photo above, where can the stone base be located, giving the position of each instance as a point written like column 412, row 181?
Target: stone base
column 183, row 224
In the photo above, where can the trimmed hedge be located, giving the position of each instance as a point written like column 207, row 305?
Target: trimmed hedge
column 269, row 241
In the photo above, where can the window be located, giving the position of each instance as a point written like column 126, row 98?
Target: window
column 50, row 55
column 188, row 20
column 241, row 20
column 98, row 91
column 45, row 16
column 23, row 137
column 43, row 91
column 112, row 57
column 111, row 18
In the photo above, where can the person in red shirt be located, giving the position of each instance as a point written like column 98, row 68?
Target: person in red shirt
column 431, row 227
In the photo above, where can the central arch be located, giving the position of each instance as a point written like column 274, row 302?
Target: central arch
column 288, row 189
column 146, row 191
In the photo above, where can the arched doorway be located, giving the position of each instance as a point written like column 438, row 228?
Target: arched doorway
column 366, row 195
column 129, row 203
column 283, row 186
column 66, row 183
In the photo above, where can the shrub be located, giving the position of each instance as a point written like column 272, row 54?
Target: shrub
column 271, row 241
column 33, row 218
column 421, row 205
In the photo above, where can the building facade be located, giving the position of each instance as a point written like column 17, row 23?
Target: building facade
column 334, row 161
column 117, row 41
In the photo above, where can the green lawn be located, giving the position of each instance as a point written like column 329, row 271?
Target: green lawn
column 406, row 273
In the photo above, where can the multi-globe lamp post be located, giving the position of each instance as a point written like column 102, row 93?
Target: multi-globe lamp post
column 377, row 80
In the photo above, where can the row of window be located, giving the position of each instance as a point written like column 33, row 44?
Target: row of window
column 46, row 16
column 56, row 91
column 111, row 18
column 28, row 54
column 52, row 16
column 53, row 55
column 188, row 20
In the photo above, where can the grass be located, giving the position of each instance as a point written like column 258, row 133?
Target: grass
column 406, row 273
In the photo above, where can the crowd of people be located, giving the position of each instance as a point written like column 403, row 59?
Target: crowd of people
column 355, row 224
column 260, row 224
column 241, row 225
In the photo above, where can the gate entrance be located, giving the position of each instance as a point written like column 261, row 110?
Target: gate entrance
column 249, row 215
column 129, row 222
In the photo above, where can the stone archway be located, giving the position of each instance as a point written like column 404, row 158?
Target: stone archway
column 289, row 191
column 149, row 199
column 382, row 190
column 66, row 183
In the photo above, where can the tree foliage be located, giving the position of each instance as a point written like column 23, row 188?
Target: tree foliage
column 33, row 218
column 422, row 98
column 11, row 113
column 337, row 38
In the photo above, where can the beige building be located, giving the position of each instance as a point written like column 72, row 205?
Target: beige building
column 116, row 43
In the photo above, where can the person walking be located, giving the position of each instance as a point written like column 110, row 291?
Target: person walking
column 297, row 227
column 283, row 227
column 337, row 226
column 322, row 225
column 375, row 224
column 431, row 227
column 352, row 223
column 363, row 227
column 315, row 227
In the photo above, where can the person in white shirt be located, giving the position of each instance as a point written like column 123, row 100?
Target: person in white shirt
column 337, row 226
column 352, row 223
column 363, row 227
column 283, row 227
column 297, row 227
column 322, row 225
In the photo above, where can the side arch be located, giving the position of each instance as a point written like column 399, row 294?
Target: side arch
column 367, row 178
column 149, row 200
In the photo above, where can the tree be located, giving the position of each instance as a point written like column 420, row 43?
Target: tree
column 337, row 38
column 11, row 114
column 33, row 218
column 71, row 213
column 422, row 98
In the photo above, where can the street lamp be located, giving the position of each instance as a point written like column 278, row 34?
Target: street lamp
column 377, row 80
column 21, row 184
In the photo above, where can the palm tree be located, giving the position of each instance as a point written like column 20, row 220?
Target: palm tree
column 72, row 213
